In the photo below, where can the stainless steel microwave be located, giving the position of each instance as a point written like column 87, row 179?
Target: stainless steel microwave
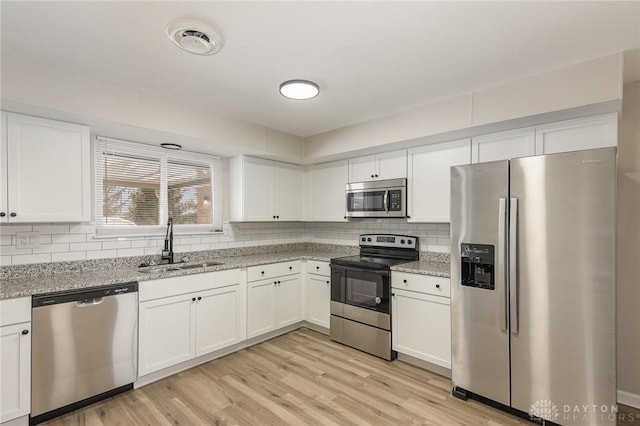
column 380, row 198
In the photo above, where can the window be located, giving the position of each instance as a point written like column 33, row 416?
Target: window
column 138, row 187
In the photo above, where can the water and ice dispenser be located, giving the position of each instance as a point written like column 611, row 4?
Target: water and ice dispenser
column 478, row 263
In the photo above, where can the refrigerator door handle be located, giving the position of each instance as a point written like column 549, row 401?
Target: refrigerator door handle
column 513, row 265
column 502, row 258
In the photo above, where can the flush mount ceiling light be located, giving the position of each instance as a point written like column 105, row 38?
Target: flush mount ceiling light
column 299, row 89
column 194, row 37
column 173, row 146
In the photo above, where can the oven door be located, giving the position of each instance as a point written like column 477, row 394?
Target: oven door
column 361, row 288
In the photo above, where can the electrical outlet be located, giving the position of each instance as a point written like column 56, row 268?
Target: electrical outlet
column 28, row 239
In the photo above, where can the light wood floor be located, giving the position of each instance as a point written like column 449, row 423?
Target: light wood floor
column 296, row 379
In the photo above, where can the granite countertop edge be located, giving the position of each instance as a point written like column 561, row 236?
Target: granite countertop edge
column 35, row 285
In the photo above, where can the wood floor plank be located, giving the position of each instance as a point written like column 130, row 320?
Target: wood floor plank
column 300, row 378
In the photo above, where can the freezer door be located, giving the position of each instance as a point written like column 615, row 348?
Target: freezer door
column 480, row 341
column 563, row 291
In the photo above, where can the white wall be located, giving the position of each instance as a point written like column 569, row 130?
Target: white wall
column 118, row 112
column 583, row 89
column 628, row 242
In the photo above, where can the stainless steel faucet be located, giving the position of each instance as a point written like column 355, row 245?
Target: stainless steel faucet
column 167, row 253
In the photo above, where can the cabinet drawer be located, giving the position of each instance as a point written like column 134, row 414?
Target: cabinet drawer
column 421, row 283
column 173, row 286
column 319, row 268
column 13, row 311
column 271, row 270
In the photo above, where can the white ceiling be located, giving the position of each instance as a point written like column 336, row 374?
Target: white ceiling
column 369, row 58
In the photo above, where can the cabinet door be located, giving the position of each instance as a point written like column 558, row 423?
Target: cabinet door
column 288, row 301
column 503, row 146
column 261, row 310
column 392, row 165
column 575, row 135
column 328, row 185
column 15, row 371
column 258, row 190
column 166, row 335
column 219, row 319
column 362, row 168
column 318, row 300
column 429, row 179
column 4, row 209
column 422, row 326
column 49, row 170
column 288, row 191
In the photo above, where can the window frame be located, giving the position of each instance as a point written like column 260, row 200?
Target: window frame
column 103, row 146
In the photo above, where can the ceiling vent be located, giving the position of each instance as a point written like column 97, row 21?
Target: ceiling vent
column 195, row 37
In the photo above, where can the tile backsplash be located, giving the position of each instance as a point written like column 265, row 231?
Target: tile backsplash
column 69, row 242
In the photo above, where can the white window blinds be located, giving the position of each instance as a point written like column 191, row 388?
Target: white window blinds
column 141, row 185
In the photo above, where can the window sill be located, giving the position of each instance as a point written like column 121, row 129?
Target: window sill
column 106, row 232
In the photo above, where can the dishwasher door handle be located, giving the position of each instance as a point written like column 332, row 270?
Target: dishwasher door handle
column 89, row 302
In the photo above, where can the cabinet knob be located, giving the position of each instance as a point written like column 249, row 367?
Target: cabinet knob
column 278, row 282
column 13, row 214
column 327, row 282
column 262, row 272
column 2, row 214
column 437, row 285
column 193, row 299
column 372, row 176
column 290, row 267
column 317, row 268
column 376, row 175
column 345, row 217
column 393, row 295
column 275, row 283
column 25, row 332
column 274, row 216
column 277, row 217
column 404, row 281
column 199, row 297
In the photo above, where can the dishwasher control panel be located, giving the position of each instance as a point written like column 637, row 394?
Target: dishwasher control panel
column 83, row 295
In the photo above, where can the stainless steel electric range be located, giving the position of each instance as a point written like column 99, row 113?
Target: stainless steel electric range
column 360, row 292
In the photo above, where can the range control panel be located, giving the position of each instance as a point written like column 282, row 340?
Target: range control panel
column 478, row 263
column 388, row 240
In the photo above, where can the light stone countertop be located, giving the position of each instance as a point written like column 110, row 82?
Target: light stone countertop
column 425, row 267
column 39, row 284
column 52, row 277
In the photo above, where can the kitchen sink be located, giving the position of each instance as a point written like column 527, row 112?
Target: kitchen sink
column 175, row 267
column 200, row 265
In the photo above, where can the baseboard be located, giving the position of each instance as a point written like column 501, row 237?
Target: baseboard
column 314, row 327
column 628, row 398
column 425, row 365
column 20, row 421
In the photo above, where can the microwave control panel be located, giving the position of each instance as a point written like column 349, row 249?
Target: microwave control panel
column 395, row 200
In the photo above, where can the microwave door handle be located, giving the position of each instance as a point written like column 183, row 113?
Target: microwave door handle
column 386, row 201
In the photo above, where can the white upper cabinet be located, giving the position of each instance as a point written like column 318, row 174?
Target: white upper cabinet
column 328, row 182
column 45, row 170
column 264, row 190
column 574, row 135
column 389, row 165
column 503, row 145
column 429, row 179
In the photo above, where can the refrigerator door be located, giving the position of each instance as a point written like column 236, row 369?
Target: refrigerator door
column 480, row 341
column 563, row 294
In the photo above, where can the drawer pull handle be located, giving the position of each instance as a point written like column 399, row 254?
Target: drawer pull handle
column 25, row 332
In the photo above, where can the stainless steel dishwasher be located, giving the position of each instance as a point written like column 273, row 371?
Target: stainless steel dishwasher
column 84, row 347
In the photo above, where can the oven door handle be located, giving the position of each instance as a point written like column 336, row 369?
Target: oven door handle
column 386, row 201
column 338, row 268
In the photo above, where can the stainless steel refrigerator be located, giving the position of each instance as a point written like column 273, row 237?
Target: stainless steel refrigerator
column 533, row 285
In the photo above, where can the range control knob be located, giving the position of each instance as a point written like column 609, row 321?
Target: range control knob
column 369, row 240
column 409, row 241
column 401, row 241
column 364, row 239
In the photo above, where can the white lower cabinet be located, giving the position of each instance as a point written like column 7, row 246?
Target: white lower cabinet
column 15, row 354
column 318, row 293
column 208, row 316
column 273, row 300
column 421, row 322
